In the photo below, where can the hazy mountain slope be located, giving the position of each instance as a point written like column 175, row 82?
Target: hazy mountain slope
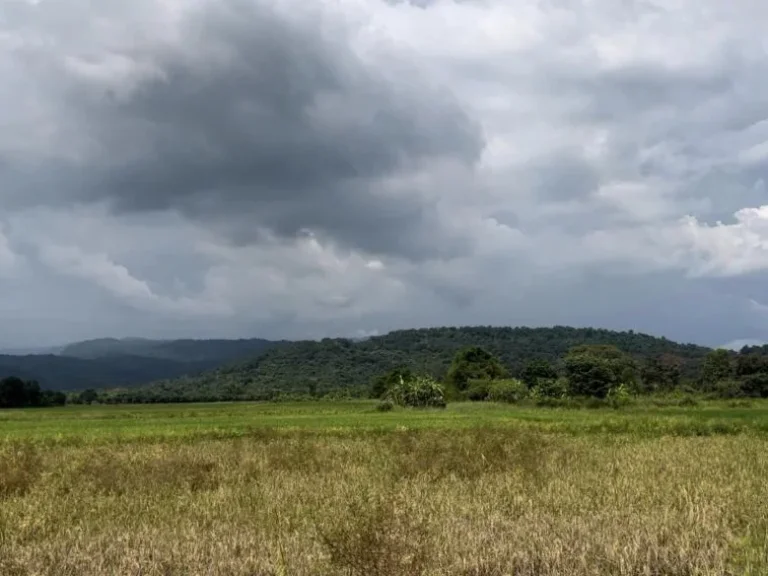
column 62, row 373
column 219, row 351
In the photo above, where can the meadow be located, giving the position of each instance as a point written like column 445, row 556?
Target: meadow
column 341, row 489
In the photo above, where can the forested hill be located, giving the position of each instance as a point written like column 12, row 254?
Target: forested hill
column 216, row 351
column 62, row 373
column 109, row 362
column 333, row 364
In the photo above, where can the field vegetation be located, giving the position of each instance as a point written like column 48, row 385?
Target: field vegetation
column 588, row 460
column 322, row 488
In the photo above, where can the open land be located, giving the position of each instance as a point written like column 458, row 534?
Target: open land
column 339, row 488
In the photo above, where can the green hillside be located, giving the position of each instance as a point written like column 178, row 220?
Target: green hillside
column 341, row 364
column 215, row 351
column 62, row 373
column 109, row 362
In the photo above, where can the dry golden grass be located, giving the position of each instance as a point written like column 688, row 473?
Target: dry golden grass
column 459, row 502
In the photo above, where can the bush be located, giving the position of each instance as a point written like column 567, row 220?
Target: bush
column 689, row 401
column 420, row 392
column 593, row 403
column 478, row 390
column 728, row 389
column 756, row 385
column 677, row 399
column 550, row 388
column 382, row 385
column 510, row 391
column 619, row 396
column 385, row 406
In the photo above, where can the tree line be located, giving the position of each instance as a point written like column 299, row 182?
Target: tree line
column 18, row 393
column 597, row 371
column 338, row 367
column 503, row 364
column 600, row 372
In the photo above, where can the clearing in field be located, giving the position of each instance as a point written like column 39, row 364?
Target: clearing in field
column 327, row 489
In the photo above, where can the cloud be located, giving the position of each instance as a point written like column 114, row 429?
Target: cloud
column 739, row 344
column 241, row 167
column 9, row 260
column 117, row 280
column 253, row 118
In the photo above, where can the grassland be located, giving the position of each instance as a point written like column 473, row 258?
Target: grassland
column 333, row 489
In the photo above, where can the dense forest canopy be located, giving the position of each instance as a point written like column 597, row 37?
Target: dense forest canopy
column 584, row 361
column 337, row 365
column 187, row 350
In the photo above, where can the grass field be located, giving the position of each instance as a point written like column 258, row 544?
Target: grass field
column 332, row 489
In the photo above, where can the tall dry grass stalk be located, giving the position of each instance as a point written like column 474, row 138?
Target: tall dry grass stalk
column 480, row 503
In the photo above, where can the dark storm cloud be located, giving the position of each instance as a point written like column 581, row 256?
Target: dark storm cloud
column 199, row 139
column 259, row 116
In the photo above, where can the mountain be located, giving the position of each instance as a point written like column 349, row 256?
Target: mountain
column 110, row 362
column 62, row 373
column 338, row 364
column 30, row 351
column 217, row 351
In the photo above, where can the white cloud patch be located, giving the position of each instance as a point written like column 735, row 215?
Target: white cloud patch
column 118, row 281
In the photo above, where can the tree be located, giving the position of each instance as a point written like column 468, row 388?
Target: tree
column 88, row 396
column 474, row 363
column 32, row 393
column 749, row 364
column 12, row 392
column 715, row 368
column 594, row 370
column 17, row 393
column 660, row 373
column 756, row 385
column 537, row 370
column 51, row 398
column 551, row 388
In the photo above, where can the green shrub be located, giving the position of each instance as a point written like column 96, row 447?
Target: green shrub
column 728, row 389
column 383, row 384
column 548, row 402
column 592, row 402
column 385, row 406
column 420, row 392
column 688, row 401
column 756, row 385
column 550, row 388
column 478, row 390
column 619, row 396
column 510, row 391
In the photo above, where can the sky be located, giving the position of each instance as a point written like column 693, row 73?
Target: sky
column 284, row 169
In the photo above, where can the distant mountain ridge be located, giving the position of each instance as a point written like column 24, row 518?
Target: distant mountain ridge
column 62, row 373
column 112, row 362
column 344, row 364
column 183, row 350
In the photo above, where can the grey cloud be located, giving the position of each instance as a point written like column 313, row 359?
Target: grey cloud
column 256, row 115
column 564, row 176
column 248, row 123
